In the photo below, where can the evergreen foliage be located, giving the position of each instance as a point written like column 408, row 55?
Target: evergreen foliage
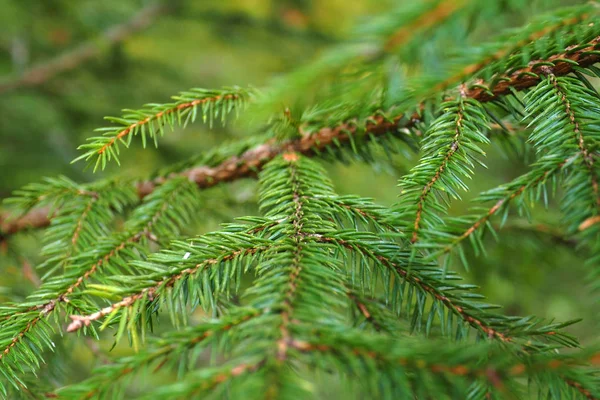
column 320, row 286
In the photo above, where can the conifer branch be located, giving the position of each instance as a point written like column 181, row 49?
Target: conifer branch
column 296, row 267
column 504, row 195
column 438, row 172
column 587, row 157
column 57, row 291
column 560, row 64
column 72, row 59
column 427, row 285
column 150, row 121
column 158, row 115
column 449, row 154
column 505, row 46
column 334, row 283
column 436, row 283
column 391, row 355
column 79, row 222
column 81, row 219
column 249, row 162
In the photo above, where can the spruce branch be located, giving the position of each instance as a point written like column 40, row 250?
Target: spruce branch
column 560, row 64
column 455, row 231
column 450, row 154
column 167, row 278
column 455, row 298
column 499, row 369
column 150, row 121
column 248, row 162
column 565, row 89
column 152, row 218
column 489, row 59
column 297, row 253
column 320, row 281
column 79, row 222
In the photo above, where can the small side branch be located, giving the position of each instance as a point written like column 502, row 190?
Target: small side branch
column 364, row 310
column 454, row 145
column 200, row 335
column 503, row 202
column 450, row 301
column 86, row 51
column 384, row 354
column 79, row 321
column 296, row 267
column 588, row 159
column 62, row 295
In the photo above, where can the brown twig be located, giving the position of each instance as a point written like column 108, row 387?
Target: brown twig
column 84, row 52
column 589, row 222
column 436, row 15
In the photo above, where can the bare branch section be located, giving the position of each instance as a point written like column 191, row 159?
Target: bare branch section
column 36, row 218
column 250, row 162
column 88, row 50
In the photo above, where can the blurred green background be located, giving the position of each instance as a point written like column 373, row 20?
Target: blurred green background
column 530, row 270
